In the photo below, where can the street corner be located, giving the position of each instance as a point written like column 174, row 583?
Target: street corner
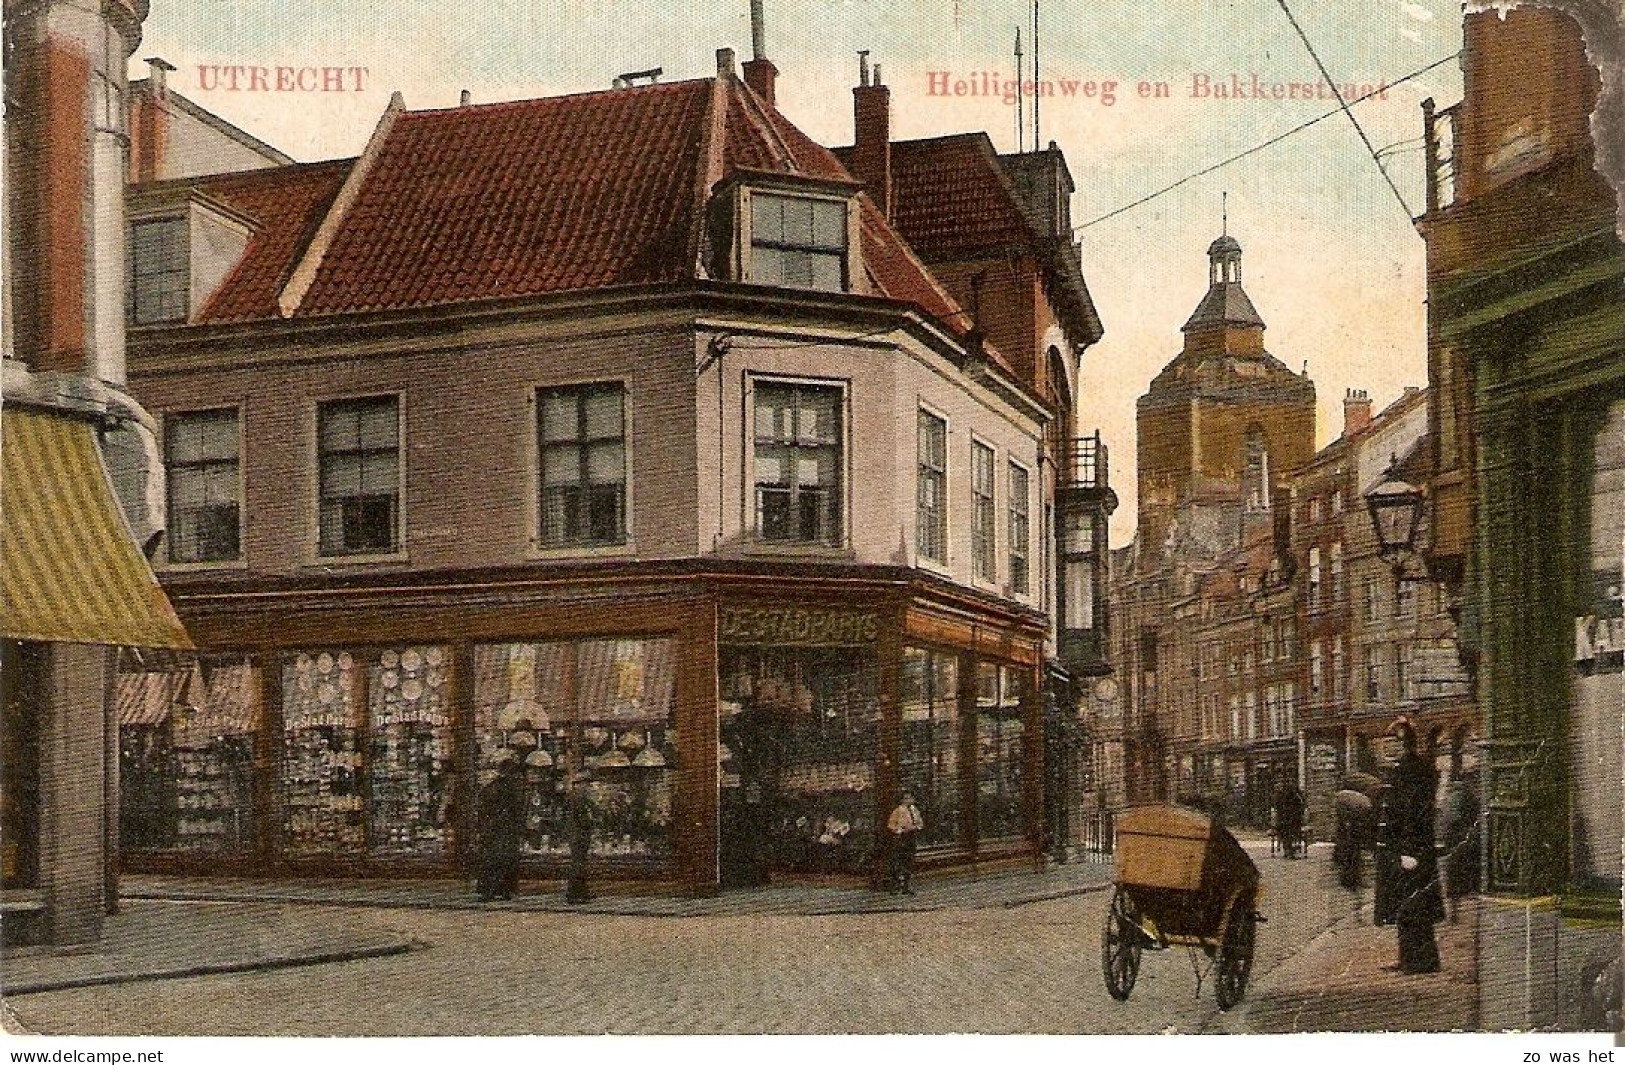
column 1344, row 980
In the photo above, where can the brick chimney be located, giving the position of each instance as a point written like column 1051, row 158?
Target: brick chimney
column 871, row 135
column 760, row 73
column 1356, row 412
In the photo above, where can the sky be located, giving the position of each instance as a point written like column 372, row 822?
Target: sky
column 1331, row 259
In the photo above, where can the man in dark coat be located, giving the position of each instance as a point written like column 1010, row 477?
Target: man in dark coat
column 1289, row 819
column 1417, row 902
column 499, row 828
column 581, row 818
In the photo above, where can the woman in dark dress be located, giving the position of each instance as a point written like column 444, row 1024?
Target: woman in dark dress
column 1418, row 903
column 499, row 828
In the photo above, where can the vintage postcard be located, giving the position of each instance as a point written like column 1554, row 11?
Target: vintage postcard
column 812, row 517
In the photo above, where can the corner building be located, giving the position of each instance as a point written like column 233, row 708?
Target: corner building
column 698, row 481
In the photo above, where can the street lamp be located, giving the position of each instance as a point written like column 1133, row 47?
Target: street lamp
column 1396, row 515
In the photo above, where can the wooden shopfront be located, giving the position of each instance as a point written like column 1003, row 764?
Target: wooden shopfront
column 735, row 728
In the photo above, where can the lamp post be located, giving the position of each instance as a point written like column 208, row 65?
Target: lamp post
column 1395, row 506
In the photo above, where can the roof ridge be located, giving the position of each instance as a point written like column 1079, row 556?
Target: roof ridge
column 303, row 274
column 530, row 101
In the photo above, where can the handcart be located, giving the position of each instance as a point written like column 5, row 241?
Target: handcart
column 1182, row 881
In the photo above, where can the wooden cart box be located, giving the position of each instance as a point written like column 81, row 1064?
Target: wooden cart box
column 1162, row 847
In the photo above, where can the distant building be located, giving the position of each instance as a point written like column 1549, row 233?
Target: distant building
column 1219, row 431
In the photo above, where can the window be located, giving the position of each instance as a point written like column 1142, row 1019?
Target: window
column 1405, row 599
column 1314, row 577
column 1402, row 673
column 1337, row 571
column 200, row 455
column 1252, row 715
column 581, row 434
column 1314, row 509
column 798, row 242
column 1080, row 594
column 360, row 475
column 1000, row 751
column 1235, row 717
column 931, row 489
column 1373, row 599
column 1020, row 528
column 984, row 520
column 932, row 740
column 1316, row 669
column 159, row 277
column 1337, row 501
column 1289, row 637
column 1339, row 684
column 798, row 462
column 1080, row 532
column 1373, row 674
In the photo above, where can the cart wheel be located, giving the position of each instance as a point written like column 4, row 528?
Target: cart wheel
column 1120, row 947
column 1235, row 961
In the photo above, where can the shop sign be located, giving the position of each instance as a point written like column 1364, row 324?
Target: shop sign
column 797, row 627
column 1322, row 758
column 1599, row 635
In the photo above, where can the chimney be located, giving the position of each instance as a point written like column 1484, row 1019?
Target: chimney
column 465, row 98
column 871, row 135
column 725, row 62
column 1356, row 412
column 156, row 69
column 760, row 73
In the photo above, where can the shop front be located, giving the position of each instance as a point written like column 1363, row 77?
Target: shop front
column 720, row 742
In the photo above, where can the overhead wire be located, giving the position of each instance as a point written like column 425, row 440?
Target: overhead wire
column 1255, row 149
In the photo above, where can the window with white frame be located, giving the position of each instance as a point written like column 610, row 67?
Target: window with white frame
column 798, row 461
column 798, row 242
column 1235, row 717
column 1373, row 673
column 1339, row 683
column 581, row 440
column 1019, row 527
column 201, row 460
column 360, row 458
column 1314, row 578
column 1373, row 599
column 160, row 276
column 984, row 515
column 931, row 489
column 1402, row 673
column 1316, row 669
column 1337, row 571
column 1252, row 715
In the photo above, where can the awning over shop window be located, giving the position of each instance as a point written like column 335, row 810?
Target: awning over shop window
column 69, row 571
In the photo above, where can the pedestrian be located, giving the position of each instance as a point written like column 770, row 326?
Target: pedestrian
column 1417, row 902
column 904, row 825
column 499, row 816
column 1458, row 827
column 581, row 816
column 1289, row 819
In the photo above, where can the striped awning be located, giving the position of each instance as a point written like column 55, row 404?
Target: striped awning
column 69, row 569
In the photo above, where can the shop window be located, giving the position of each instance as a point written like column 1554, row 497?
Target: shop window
column 201, row 460
column 984, row 517
column 1020, row 528
column 798, row 462
column 322, row 715
column 798, row 242
column 186, row 756
column 1000, row 753
column 409, row 765
column 931, row 489
column 929, row 757
column 581, row 432
column 159, row 272
column 360, row 475
column 799, row 739
column 605, row 706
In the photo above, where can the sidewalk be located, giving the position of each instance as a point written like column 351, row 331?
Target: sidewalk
column 1006, row 888
column 1338, row 983
column 153, row 940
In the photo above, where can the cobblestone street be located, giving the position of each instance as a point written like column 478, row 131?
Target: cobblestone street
column 1032, row 968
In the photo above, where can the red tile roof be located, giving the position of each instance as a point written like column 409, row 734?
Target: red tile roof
column 286, row 204
column 951, row 197
column 567, row 193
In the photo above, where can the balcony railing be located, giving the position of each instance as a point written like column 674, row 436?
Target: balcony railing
column 1085, row 465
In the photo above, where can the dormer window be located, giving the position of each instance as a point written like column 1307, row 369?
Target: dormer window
column 798, row 242
column 159, row 277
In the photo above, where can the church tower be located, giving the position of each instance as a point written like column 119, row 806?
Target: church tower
column 1221, row 427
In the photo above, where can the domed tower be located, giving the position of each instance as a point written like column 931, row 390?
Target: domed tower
column 1222, row 426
